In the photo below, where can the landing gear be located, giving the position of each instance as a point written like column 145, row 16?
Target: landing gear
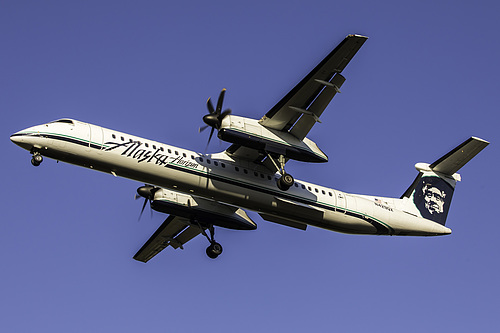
column 37, row 159
column 286, row 180
column 215, row 249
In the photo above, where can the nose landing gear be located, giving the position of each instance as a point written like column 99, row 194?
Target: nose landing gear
column 37, row 159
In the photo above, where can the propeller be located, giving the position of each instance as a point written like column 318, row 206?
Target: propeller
column 148, row 193
column 215, row 116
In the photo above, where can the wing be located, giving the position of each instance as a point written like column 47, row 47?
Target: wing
column 175, row 231
column 301, row 108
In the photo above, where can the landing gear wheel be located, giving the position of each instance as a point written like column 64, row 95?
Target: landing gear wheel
column 285, row 182
column 36, row 160
column 214, row 250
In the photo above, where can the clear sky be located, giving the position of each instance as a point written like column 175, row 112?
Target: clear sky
column 426, row 80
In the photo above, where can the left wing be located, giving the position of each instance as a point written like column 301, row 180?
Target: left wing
column 301, row 108
column 175, row 231
column 295, row 114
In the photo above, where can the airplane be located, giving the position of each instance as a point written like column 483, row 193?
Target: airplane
column 202, row 191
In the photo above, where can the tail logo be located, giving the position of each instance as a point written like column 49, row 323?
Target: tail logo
column 432, row 197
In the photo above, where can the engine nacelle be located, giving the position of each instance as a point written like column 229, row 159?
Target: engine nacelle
column 249, row 133
column 204, row 211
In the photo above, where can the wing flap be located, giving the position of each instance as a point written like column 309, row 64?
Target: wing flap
column 174, row 231
column 306, row 122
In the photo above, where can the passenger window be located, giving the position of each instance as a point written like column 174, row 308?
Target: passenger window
column 184, row 154
column 113, row 136
column 237, row 169
column 176, row 152
column 208, row 161
column 216, row 163
column 223, row 165
column 245, row 171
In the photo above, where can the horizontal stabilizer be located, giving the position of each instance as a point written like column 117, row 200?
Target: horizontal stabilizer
column 175, row 231
column 458, row 157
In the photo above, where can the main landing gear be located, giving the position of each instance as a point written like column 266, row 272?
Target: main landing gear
column 37, row 159
column 215, row 249
column 286, row 180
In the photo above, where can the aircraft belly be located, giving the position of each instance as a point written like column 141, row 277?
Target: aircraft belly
column 346, row 223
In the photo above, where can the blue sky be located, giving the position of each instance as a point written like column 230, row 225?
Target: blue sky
column 426, row 80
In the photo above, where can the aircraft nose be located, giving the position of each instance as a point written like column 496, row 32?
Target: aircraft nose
column 22, row 139
column 17, row 138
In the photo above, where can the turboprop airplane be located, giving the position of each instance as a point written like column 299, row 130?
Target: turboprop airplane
column 203, row 191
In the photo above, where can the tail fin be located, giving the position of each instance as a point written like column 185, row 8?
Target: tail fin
column 431, row 192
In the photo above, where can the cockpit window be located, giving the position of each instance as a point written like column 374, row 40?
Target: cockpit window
column 64, row 121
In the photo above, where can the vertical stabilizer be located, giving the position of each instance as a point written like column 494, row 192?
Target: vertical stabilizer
column 429, row 196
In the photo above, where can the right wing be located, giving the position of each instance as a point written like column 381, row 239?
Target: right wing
column 175, row 231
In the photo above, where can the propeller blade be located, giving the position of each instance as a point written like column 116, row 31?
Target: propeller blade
column 201, row 129
column 220, row 101
column 209, row 138
column 143, row 206
column 224, row 114
column 211, row 133
column 210, row 106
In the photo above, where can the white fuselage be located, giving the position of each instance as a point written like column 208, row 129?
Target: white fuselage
column 221, row 178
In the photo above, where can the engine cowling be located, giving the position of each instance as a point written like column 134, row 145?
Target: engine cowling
column 199, row 210
column 249, row 133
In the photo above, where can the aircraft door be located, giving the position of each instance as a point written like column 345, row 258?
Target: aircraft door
column 341, row 199
column 96, row 136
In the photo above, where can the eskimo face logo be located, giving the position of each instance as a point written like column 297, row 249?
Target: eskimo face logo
column 432, row 197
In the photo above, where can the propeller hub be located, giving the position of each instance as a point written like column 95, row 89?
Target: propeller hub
column 211, row 120
column 146, row 191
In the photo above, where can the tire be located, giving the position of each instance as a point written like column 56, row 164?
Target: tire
column 285, row 182
column 34, row 162
column 214, row 250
